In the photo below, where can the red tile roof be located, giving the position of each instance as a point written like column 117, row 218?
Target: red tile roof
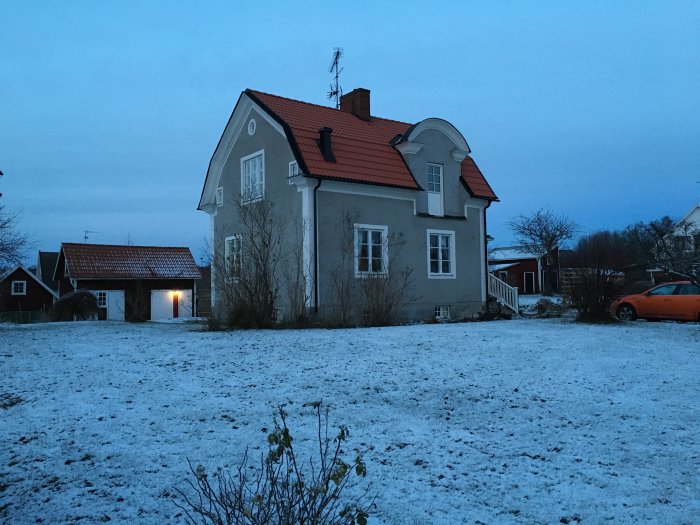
column 362, row 149
column 104, row 261
column 475, row 181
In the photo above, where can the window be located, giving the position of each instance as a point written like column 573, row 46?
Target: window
column 101, row 299
column 253, row 177
column 252, row 126
column 19, row 287
column 219, row 196
column 293, row 169
column 371, row 245
column 667, row 289
column 442, row 312
column 689, row 289
column 232, row 254
column 434, row 178
column 441, row 254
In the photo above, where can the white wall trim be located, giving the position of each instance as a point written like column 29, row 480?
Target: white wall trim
column 353, row 188
column 238, row 121
column 409, row 148
column 443, row 127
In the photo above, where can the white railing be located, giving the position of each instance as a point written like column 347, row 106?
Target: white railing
column 508, row 295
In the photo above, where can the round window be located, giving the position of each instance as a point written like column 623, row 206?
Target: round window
column 251, row 126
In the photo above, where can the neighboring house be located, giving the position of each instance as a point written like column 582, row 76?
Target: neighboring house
column 45, row 267
column 522, row 269
column 688, row 231
column 22, row 291
column 396, row 180
column 131, row 282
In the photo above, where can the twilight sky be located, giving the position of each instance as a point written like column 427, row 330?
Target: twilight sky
column 111, row 110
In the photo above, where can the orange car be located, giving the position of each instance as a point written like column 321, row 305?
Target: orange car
column 678, row 300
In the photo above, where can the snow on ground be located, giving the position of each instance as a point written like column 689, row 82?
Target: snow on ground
column 523, row 421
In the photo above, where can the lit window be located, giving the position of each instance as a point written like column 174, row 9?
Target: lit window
column 219, row 196
column 434, row 178
column 19, row 287
column 442, row 312
column 233, row 256
column 101, row 299
column 371, row 245
column 293, row 169
column 253, row 177
column 441, row 254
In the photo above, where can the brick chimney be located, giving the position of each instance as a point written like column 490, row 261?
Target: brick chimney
column 357, row 103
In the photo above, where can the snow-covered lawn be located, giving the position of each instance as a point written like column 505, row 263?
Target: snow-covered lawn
column 523, row 421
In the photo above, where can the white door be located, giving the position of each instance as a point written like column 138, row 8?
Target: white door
column 115, row 305
column 169, row 304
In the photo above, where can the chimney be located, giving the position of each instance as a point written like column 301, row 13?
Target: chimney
column 357, row 103
column 324, row 143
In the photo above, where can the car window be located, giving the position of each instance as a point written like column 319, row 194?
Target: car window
column 664, row 290
column 689, row 289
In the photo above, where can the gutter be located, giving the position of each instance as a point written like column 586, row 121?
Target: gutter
column 316, row 278
column 486, row 255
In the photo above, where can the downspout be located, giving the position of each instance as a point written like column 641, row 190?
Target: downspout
column 316, row 278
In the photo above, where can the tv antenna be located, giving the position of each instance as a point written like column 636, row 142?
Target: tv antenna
column 336, row 91
column 86, row 234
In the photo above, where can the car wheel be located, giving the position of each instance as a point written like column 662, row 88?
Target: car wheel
column 626, row 312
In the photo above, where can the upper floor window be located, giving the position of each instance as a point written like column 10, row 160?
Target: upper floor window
column 441, row 254
column 371, row 249
column 232, row 256
column 19, row 288
column 219, row 196
column 435, row 178
column 293, row 169
column 253, row 176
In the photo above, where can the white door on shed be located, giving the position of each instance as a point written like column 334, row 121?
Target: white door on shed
column 115, row 305
column 169, row 304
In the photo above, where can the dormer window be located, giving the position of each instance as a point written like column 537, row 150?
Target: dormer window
column 434, row 187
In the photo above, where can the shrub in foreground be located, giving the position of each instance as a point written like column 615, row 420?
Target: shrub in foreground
column 80, row 305
column 282, row 489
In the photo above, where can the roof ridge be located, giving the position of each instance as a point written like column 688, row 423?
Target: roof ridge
column 123, row 246
column 256, row 92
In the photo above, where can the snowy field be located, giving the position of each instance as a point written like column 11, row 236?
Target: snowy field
column 524, row 421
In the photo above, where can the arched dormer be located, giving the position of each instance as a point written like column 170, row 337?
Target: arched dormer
column 408, row 144
column 434, row 149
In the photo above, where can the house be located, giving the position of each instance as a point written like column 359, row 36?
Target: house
column 523, row 269
column 321, row 166
column 45, row 266
column 22, row 291
column 130, row 282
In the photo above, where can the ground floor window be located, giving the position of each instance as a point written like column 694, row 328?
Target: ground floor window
column 371, row 249
column 232, row 249
column 101, row 299
column 441, row 254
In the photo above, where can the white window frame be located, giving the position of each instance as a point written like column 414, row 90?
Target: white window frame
column 99, row 295
column 18, row 288
column 453, row 255
column 219, row 196
column 385, row 249
column 247, row 195
column 428, row 174
column 231, row 273
column 293, row 169
column 442, row 311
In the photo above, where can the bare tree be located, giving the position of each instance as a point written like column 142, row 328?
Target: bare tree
column 542, row 233
column 12, row 241
column 342, row 276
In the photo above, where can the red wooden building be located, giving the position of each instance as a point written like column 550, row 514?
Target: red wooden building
column 22, row 291
column 131, row 282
